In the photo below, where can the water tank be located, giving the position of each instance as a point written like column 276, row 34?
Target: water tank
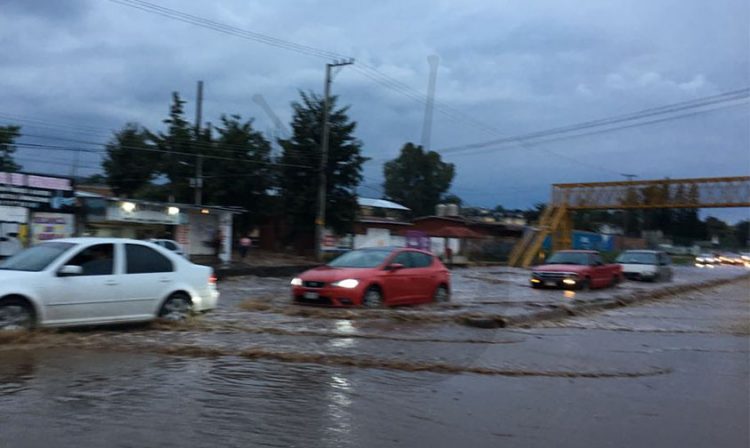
column 451, row 210
column 440, row 210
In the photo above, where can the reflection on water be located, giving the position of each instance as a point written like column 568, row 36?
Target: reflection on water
column 84, row 399
column 569, row 294
column 16, row 370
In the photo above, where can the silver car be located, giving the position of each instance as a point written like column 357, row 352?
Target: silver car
column 646, row 265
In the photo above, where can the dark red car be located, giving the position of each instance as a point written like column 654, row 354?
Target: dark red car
column 374, row 277
column 575, row 269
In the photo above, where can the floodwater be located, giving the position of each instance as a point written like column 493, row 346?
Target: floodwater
column 262, row 372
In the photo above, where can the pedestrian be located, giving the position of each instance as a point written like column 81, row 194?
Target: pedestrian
column 245, row 243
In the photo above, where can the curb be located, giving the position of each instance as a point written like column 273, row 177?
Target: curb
column 564, row 311
column 262, row 271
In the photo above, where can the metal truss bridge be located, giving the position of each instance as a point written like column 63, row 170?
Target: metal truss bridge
column 556, row 219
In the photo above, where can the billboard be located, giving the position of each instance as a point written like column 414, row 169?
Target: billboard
column 37, row 192
column 50, row 226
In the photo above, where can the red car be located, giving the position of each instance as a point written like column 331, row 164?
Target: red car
column 374, row 277
column 575, row 269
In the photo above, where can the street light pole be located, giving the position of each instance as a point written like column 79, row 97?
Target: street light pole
column 320, row 219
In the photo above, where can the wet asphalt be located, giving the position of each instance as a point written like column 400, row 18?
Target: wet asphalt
column 260, row 372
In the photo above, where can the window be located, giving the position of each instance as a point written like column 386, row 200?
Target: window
column 596, row 260
column 404, row 258
column 421, row 260
column 144, row 260
column 95, row 260
column 170, row 245
column 35, row 258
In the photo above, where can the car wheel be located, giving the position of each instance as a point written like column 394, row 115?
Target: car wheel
column 442, row 295
column 584, row 285
column 615, row 281
column 177, row 307
column 373, row 298
column 15, row 315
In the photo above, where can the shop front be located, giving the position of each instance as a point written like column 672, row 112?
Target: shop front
column 34, row 208
column 201, row 231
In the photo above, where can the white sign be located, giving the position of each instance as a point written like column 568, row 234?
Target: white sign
column 14, row 214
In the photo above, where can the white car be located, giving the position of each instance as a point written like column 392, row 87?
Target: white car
column 81, row 281
column 172, row 245
column 706, row 259
column 650, row 265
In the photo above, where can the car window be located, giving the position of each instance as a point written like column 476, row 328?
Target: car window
column 596, row 259
column 170, row 245
column 568, row 258
column 404, row 258
column 35, row 258
column 638, row 258
column 95, row 260
column 360, row 259
column 142, row 260
column 421, row 260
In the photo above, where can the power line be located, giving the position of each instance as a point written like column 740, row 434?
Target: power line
column 716, row 100
column 156, row 150
column 366, row 70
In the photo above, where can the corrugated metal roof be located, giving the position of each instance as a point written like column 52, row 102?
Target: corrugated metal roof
column 381, row 203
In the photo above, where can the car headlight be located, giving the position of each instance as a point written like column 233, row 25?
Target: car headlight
column 296, row 281
column 349, row 283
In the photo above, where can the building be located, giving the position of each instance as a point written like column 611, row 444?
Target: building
column 34, row 208
column 200, row 230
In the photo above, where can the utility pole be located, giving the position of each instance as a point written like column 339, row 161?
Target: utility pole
column 320, row 219
column 429, row 105
column 199, row 159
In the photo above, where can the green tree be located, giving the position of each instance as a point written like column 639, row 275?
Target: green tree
column 242, row 172
column 300, row 162
column 179, row 147
column 128, row 165
column 8, row 136
column 417, row 179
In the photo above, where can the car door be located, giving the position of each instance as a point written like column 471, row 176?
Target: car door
column 423, row 277
column 398, row 284
column 91, row 296
column 601, row 274
column 148, row 278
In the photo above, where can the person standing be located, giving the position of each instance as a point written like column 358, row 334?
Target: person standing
column 245, row 243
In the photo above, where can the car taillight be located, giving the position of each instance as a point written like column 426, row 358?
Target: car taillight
column 212, row 279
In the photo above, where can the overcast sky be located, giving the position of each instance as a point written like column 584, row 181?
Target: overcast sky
column 80, row 69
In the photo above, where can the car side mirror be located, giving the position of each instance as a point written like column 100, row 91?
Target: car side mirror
column 69, row 270
column 394, row 267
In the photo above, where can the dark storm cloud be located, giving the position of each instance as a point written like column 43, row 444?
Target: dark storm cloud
column 516, row 66
column 48, row 9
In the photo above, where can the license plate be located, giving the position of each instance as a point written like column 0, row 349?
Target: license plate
column 550, row 283
column 311, row 295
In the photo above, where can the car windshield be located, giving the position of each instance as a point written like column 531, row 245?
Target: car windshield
column 568, row 258
column 35, row 258
column 360, row 259
column 637, row 258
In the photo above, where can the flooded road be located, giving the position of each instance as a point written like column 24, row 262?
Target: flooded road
column 259, row 372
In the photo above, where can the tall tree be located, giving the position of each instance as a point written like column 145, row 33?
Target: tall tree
column 242, row 172
column 417, row 179
column 179, row 146
column 8, row 136
column 129, row 165
column 300, row 161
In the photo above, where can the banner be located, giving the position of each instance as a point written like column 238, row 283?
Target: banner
column 50, row 226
